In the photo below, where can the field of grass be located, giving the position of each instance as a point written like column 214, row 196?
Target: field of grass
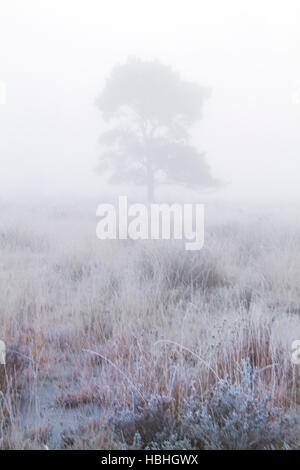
column 119, row 345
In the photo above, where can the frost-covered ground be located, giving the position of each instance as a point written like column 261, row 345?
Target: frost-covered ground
column 193, row 348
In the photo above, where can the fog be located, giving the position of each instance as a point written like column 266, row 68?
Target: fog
column 55, row 57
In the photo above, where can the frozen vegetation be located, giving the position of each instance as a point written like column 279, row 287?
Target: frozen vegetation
column 128, row 344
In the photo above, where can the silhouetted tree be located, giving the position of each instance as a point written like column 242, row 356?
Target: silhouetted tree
column 151, row 110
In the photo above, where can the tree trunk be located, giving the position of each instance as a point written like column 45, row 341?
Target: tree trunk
column 149, row 167
column 150, row 182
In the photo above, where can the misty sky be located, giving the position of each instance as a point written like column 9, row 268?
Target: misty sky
column 56, row 54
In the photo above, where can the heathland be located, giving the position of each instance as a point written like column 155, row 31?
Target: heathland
column 142, row 344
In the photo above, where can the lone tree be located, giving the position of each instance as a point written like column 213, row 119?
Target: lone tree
column 150, row 110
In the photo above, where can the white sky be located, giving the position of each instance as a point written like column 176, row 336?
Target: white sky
column 56, row 54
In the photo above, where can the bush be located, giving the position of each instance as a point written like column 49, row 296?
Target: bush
column 234, row 416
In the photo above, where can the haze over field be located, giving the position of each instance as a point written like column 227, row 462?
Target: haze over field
column 138, row 343
column 56, row 55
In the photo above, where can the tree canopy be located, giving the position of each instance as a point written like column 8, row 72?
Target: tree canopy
column 150, row 110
